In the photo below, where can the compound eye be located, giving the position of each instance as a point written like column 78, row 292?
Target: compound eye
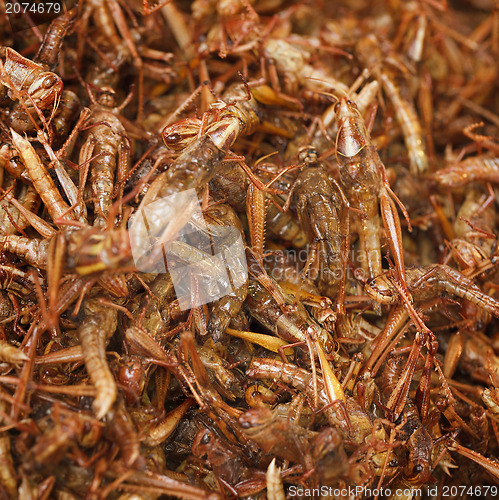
column 353, row 105
column 417, row 469
column 329, row 346
column 206, row 439
column 173, row 138
column 49, row 81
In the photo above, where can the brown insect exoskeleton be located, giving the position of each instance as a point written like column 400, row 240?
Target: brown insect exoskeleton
column 364, row 181
column 33, row 83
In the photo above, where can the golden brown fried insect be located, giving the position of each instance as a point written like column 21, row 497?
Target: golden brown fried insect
column 470, row 170
column 429, row 282
column 220, row 373
column 363, row 178
column 32, row 83
column 110, row 20
column 40, row 178
column 474, row 240
column 241, row 115
column 14, row 221
column 328, row 456
column 320, row 307
column 48, row 53
column 231, row 185
column 65, row 116
column 317, row 206
column 108, row 145
column 417, row 440
column 224, row 459
column 290, row 61
column 162, row 484
column 28, row 81
column 354, row 425
column 121, row 430
column 478, row 358
column 160, row 432
column 64, row 428
column 284, row 439
column 20, row 282
column 195, row 377
column 371, row 55
column 291, row 323
column 89, row 250
column 150, row 305
column 208, row 274
column 98, row 324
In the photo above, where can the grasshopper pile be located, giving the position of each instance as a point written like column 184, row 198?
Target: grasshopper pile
column 322, row 320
